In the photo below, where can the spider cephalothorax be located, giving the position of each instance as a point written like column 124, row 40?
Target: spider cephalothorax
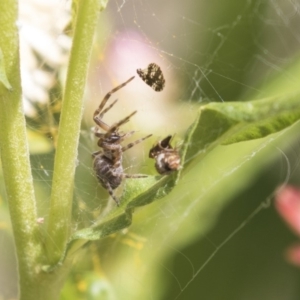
column 108, row 160
column 167, row 158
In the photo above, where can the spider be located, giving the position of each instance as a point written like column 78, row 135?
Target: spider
column 108, row 161
column 153, row 76
column 167, row 158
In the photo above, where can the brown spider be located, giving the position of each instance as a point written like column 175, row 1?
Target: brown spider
column 108, row 160
column 167, row 158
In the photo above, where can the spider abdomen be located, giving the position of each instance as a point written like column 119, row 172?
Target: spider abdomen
column 166, row 162
column 106, row 172
column 167, row 159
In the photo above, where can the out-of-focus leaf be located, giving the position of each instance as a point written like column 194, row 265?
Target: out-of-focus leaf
column 38, row 143
column 3, row 77
column 207, row 185
column 285, row 82
column 90, row 284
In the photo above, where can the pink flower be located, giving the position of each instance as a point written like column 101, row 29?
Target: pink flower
column 288, row 205
column 293, row 254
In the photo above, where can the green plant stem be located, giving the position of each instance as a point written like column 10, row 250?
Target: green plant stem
column 15, row 155
column 59, row 222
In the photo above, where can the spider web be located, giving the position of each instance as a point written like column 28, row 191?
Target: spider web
column 208, row 52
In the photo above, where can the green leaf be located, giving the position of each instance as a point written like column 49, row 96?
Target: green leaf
column 3, row 77
column 206, row 187
column 232, row 122
column 136, row 194
column 213, row 174
column 217, row 124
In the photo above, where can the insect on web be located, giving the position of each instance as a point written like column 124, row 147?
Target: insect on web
column 153, row 76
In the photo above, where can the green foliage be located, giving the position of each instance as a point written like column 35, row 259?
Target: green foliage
column 69, row 129
column 225, row 148
column 32, row 254
column 3, row 76
column 216, row 167
column 216, row 124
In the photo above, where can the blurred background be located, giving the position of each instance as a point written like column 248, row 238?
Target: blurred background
column 209, row 51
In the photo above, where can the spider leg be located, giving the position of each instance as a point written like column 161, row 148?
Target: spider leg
column 165, row 143
column 118, row 124
column 111, row 192
column 130, row 145
column 107, row 96
column 107, row 109
column 101, row 124
column 126, row 135
column 94, row 154
column 134, row 176
column 122, row 138
column 98, row 118
column 111, row 147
